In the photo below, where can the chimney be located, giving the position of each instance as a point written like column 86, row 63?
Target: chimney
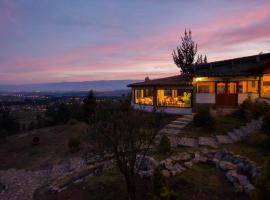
column 258, row 58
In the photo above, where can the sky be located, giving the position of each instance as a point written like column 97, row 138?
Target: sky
column 81, row 40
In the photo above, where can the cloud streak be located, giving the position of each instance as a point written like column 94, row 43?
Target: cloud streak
column 94, row 47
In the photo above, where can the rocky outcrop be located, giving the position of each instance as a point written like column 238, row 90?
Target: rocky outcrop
column 239, row 170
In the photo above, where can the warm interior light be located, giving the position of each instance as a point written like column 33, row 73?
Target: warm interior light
column 198, row 79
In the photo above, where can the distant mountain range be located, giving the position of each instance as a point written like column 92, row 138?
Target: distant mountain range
column 108, row 85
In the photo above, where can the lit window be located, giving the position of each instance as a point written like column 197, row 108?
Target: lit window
column 265, row 89
column 174, row 98
column 144, row 96
column 206, row 87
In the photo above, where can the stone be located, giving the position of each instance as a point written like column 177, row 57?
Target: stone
column 199, row 158
column 188, row 142
column 173, row 141
column 234, row 137
column 178, row 122
column 224, row 165
column 188, row 164
column 183, row 157
column 224, row 139
column 177, row 167
column 208, row 141
column 175, row 126
column 167, row 131
column 240, row 133
column 165, row 173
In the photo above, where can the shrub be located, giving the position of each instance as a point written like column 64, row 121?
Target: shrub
column 262, row 185
column 203, row 118
column 35, row 140
column 253, row 109
column 160, row 189
column 259, row 108
column 266, row 123
column 165, row 144
column 74, row 144
column 72, row 122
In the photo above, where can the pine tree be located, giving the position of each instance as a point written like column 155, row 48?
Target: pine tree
column 205, row 59
column 185, row 53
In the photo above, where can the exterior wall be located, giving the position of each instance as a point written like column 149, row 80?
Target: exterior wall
column 242, row 97
column 169, row 110
column 205, row 98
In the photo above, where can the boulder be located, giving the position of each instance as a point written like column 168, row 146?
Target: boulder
column 208, row 141
column 165, row 173
column 188, row 142
column 224, row 165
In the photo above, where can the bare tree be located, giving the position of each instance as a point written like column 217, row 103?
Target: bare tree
column 128, row 133
column 185, row 53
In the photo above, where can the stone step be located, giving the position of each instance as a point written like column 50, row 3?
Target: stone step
column 188, row 142
column 169, row 131
column 224, row 139
column 240, row 133
column 180, row 122
column 174, row 126
column 208, row 141
column 184, row 119
column 173, row 141
column 234, row 137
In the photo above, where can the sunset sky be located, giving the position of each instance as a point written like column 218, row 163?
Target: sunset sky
column 78, row 40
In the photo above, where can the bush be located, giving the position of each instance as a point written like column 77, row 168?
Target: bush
column 266, row 123
column 165, row 144
column 262, row 185
column 253, row 109
column 259, row 109
column 35, row 140
column 160, row 189
column 203, row 118
column 74, row 144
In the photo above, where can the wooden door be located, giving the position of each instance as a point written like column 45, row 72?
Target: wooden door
column 226, row 94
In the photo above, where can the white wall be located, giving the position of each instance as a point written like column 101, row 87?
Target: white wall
column 243, row 97
column 205, row 98
column 169, row 110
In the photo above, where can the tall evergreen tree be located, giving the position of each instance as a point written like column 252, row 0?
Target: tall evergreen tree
column 185, row 53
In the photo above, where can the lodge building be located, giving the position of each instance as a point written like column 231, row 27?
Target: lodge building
column 225, row 83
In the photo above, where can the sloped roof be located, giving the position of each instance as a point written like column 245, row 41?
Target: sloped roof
column 178, row 80
column 244, row 66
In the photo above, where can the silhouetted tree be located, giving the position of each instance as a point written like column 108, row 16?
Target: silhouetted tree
column 128, row 133
column 8, row 124
column 185, row 53
column 205, row 59
column 89, row 106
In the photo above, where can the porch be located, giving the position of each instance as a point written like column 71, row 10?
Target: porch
column 226, row 92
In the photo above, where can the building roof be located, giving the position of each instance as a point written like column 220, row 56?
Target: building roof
column 244, row 66
column 178, row 80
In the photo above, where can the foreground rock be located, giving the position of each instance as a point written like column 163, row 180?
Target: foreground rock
column 239, row 170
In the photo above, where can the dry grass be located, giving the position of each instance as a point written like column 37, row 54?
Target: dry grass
column 19, row 152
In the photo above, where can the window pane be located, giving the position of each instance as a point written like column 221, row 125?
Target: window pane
column 206, row 87
column 231, row 88
column 221, row 88
column 174, row 97
column 265, row 91
column 144, row 96
column 252, row 86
